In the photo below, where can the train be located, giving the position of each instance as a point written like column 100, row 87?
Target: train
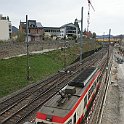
column 71, row 103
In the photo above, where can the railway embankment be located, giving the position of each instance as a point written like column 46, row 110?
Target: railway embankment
column 13, row 75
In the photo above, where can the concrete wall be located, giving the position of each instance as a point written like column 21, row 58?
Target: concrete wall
column 4, row 30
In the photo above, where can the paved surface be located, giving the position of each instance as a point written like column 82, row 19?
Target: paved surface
column 121, row 89
column 113, row 112
column 15, row 49
column 33, row 52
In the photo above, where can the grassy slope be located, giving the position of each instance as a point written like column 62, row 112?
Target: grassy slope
column 13, row 71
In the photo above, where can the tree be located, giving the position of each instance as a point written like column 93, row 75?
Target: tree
column 94, row 35
column 20, row 36
column 77, row 25
column 85, row 32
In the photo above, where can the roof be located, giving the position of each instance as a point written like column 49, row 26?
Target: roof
column 38, row 24
column 69, row 24
column 53, row 28
column 52, row 108
column 80, row 79
column 14, row 29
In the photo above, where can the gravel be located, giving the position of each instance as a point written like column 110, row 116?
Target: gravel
column 113, row 112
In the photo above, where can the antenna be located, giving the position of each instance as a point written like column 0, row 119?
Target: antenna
column 88, row 18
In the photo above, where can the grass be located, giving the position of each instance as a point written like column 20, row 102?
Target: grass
column 13, row 71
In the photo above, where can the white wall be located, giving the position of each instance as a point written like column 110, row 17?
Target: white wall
column 4, row 30
column 62, row 32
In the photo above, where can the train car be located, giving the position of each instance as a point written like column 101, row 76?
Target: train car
column 70, row 105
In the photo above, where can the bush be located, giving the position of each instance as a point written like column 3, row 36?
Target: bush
column 20, row 37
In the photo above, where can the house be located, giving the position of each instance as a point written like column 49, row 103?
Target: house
column 35, row 30
column 53, row 31
column 5, row 28
column 68, row 30
column 65, row 31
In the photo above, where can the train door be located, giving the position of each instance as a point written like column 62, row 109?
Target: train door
column 74, row 119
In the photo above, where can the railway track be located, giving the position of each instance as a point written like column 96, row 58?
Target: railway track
column 24, row 93
column 18, row 107
column 94, row 115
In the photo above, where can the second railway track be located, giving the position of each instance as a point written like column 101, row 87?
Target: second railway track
column 16, row 108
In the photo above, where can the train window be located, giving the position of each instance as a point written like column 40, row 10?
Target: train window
column 89, row 93
column 92, row 88
column 74, row 118
column 98, row 79
column 95, row 83
column 69, row 122
column 85, row 101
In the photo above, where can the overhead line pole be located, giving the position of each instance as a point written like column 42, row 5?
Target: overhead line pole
column 109, row 41
column 81, row 36
column 27, row 46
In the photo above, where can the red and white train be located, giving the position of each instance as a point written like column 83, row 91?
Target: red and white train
column 70, row 105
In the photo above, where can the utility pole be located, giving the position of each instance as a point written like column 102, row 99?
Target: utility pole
column 27, row 46
column 64, row 54
column 109, row 40
column 81, row 36
column 103, row 36
column 108, row 47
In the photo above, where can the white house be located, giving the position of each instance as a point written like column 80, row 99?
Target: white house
column 68, row 30
column 65, row 31
column 5, row 28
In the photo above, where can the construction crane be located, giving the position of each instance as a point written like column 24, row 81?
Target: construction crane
column 88, row 18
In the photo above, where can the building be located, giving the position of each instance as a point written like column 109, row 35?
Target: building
column 35, row 30
column 53, row 31
column 68, row 30
column 65, row 31
column 5, row 28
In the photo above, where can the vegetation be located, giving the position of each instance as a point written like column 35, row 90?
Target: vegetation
column 13, row 71
column 20, row 37
column 94, row 35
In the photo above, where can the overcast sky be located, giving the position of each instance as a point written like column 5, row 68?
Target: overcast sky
column 108, row 13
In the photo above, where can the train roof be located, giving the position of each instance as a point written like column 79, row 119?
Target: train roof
column 60, row 105
column 83, row 77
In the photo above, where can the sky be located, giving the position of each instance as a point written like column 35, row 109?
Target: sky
column 108, row 14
